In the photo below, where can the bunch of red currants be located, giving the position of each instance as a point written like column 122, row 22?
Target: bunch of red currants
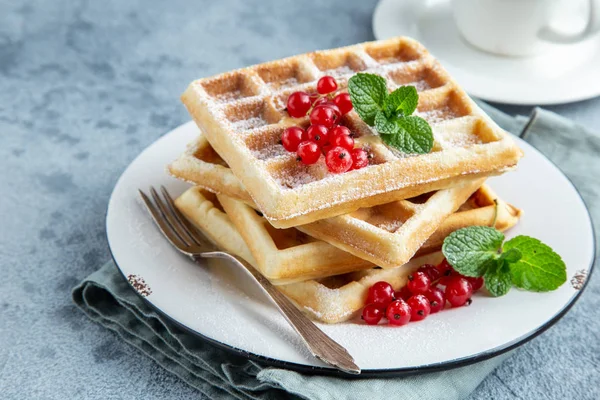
column 422, row 295
column 324, row 135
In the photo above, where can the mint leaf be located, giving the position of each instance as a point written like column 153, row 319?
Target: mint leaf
column 539, row 269
column 404, row 100
column 497, row 278
column 525, row 262
column 391, row 114
column 385, row 125
column 367, row 93
column 470, row 250
column 414, row 135
column 511, row 255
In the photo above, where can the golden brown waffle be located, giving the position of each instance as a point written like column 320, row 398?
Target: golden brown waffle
column 282, row 255
column 242, row 113
column 339, row 298
column 332, row 299
column 288, row 255
column 202, row 166
column 372, row 227
column 387, row 235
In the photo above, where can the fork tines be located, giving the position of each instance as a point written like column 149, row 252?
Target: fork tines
column 171, row 223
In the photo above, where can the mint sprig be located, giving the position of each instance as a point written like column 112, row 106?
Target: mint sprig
column 403, row 100
column 470, row 250
column 391, row 114
column 497, row 278
column 367, row 93
column 539, row 268
column 523, row 261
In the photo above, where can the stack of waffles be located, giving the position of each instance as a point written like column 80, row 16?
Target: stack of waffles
column 324, row 238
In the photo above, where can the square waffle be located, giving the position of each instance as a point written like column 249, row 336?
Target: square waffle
column 388, row 235
column 243, row 115
column 281, row 255
column 330, row 299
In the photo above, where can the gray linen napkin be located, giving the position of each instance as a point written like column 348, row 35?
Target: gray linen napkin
column 108, row 299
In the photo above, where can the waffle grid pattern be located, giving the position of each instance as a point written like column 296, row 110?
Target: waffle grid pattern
column 242, row 113
column 287, row 255
column 390, row 234
column 329, row 299
column 387, row 235
column 281, row 255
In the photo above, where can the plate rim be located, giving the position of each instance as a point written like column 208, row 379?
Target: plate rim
column 366, row 373
column 581, row 96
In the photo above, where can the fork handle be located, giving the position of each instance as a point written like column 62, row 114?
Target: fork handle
column 319, row 344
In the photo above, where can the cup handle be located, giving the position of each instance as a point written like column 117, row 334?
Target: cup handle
column 592, row 26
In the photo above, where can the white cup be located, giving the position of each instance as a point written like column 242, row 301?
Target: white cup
column 520, row 27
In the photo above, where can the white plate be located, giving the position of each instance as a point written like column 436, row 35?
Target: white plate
column 569, row 73
column 220, row 302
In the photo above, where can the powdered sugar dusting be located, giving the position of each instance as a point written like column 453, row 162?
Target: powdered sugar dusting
column 400, row 154
column 396, row 66
column 420, row 85
column 295, row 180
column 228, row 97
column 250, row 123
column 457, row 139
column 388, row 60
column 390, row 226
column 283, row 84
column 340, row 71
column 271, row 151
column 437, row 115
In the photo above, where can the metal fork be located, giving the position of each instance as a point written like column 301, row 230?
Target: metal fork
column 194, row 244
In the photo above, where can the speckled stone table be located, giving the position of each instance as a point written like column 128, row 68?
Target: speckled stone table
column 84, row 87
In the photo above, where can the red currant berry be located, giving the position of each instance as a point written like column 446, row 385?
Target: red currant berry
column 326, row 85
column 314, row 97
column 320, row 101
column 292, row 137
column 324, row 101
column 343, row 102
column 340, row 130
column 444, row 266
column 360, row 158
column 318, row 134
column 342, row 140
column 418, row 282
column 335, row 108
column 323, row 115
column 419, row 307
column 458, row 291
column 381, row 294
column 476, row 283
column 298, row 104
column 403, row 294
column 436, row 298
column 448, row 276
column 308, row 152
column 338, row 160
column 447, row 272
column 372, row 314
column 431, row 271
column 398, row 313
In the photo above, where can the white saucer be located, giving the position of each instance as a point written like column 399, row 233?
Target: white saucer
column 220, row 303
column 569, row 73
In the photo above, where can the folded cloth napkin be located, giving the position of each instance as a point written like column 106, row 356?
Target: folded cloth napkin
column 108, row 299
